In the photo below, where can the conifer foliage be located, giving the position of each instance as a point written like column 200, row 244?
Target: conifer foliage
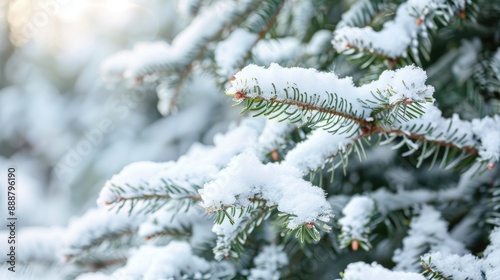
column 368, row 148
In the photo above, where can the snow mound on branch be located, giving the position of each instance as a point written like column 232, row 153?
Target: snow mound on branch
column 246, row 179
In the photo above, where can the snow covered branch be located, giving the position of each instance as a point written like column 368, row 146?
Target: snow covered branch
column 99, row 229
column 268, row 263
column 154, row 185
column 407, row 33
column 394, row 105
column 452, row 266
column 320, row 98
column 236, row 186
column 428, row 233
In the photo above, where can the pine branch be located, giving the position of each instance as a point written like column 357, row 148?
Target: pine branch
column 397, row 108
column 98, row 230
column 419, row 18
column 446, row 266
column 233, row 230
column 321, row 148
column 191, row 48
column 132, row 196
column 177, row 60
column 99, row 265
column 356, row 223
column 289, row 192
column 169, row 183
column 173, row 261
column 363, row 213
column 190, row 8
column 366, row 13
column 423, row 238
column 275, row 139
column 166, row 225
column 316, row 102
column 304, row 108
column 268, row 263
column 232, row 53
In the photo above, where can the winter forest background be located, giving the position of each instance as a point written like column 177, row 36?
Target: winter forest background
column 368, row 148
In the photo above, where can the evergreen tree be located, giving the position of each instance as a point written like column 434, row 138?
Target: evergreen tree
column 368, row 148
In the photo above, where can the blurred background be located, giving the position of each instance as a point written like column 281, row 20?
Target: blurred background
column 64, row 129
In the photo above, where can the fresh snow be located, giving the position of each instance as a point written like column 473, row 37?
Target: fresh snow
column 487, row 130
column 481, row 133
column 200, row 165
column 357, row 214
column 491, row 262
column 466, row 267
column 166, row 221
column 279, row 185
column 428, row 230
column 41, row 244
column 146, row 58
column 229, row 53
column 96, row 224
column 315, row 151
column 469, row 267
column 273, row 137
column 276, row 82
column 397, row 35
column 268, row 263
column 364, row 271
column 173, row 261
column 135, row 174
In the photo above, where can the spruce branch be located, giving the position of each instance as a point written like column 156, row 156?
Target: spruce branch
column 232, row 53
column 355, row 223
column 366, row 13
column 419, row 19
column 236, row 188
column 269, row 263
column 151, row 200
column 276, row 138
column 233, row 230
column 191, row 48
column 322, row 147
column 98, row 264
column 261, row 23
column 388, row 106
column 99, row 230
column 176, row 61
column 362, row 214
column 168, row 183
column 173, row 261
column 325, row 118
column 165, row 225
column 434, row 239
column 326, row 100
column 430, row 271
